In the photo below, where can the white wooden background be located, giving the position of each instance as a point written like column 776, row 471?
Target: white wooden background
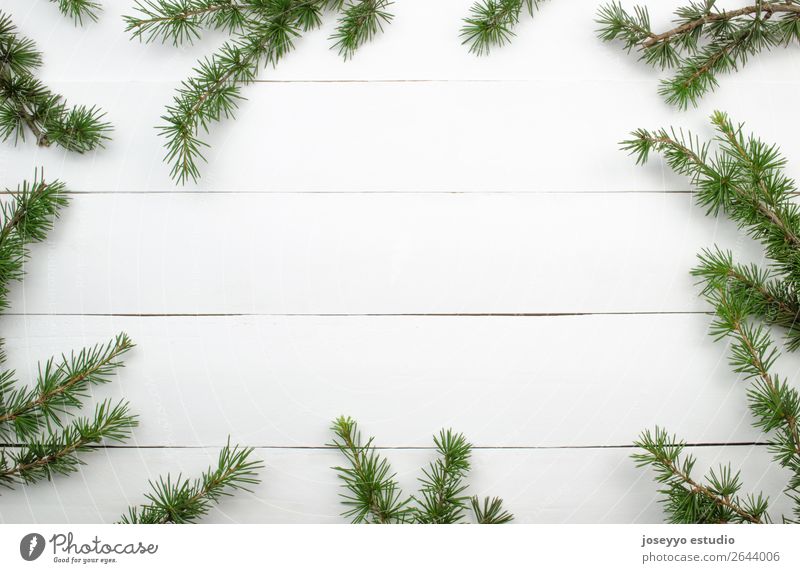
column 418, row 238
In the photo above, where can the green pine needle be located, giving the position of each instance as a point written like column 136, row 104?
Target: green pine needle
column 261, row 33
column 181, row 500
column 61, row 386
column 491, row 23
column 372, row 494
column 26, row 218
column 490, row 512
column 79, row 9
column 56, row 452
column 687, row 500
column 27, row 106
column 360, row 22
column 741, row 176
column 44, row 439
column 182, row 21
column 705, row 42
column 442, row 498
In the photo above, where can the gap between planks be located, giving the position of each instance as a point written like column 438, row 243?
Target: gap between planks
column 417, row 448
column 378, row 192
column 362, row 315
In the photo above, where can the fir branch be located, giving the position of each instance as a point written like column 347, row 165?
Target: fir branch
column 687, row 500
column 262, row 33
column 59, row 387
column 441, row 497
column 744, row 179
column 17, row 53
column 79, row 9
column 373, row 494
column 57, row 452
column 769, row 297
column 701, row 14
column 215, row 91
column 774, row 405
column 25, row 219
column 704, row 43
column 632, row 29
column 492, row 22
column 360, row 22
column 181, row 21
column 698, row 73
column 26, row 104
column 184, row 501
column 34, row 416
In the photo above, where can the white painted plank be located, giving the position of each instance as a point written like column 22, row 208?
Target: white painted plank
column 422, row 42
column 521, row 136
column 367, row 254
column 442, row 136
column 539, row 486
column 503, row 381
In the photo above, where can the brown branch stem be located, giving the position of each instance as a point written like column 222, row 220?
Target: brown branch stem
column 766, row 7
column 767, row 379
column 773, row 217
column 62, row 388
column 356, row 452
column 719, row 500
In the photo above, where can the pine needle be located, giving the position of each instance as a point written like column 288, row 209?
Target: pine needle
column 262, row 32
column 704, row 43
column 372, row 494
column 27, row 106
column 491, row 23
column 181, row 500
column 44, row 438
column 742, row 177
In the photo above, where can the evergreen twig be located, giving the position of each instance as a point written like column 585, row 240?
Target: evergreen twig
column 491, row 23
column 79, row 9
column 182, row 21
column 262, row 33
column 41, row 443
column 744, row 179
column 27, row 105
column 60, row 386
column 360, row 22
column 57, row 452
column 705, row 42
column 374, row 496
column 441, row 498
column 26, row 218
column 768, row 296
column 689, row 501
column 184, row 501
column 490, row 512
